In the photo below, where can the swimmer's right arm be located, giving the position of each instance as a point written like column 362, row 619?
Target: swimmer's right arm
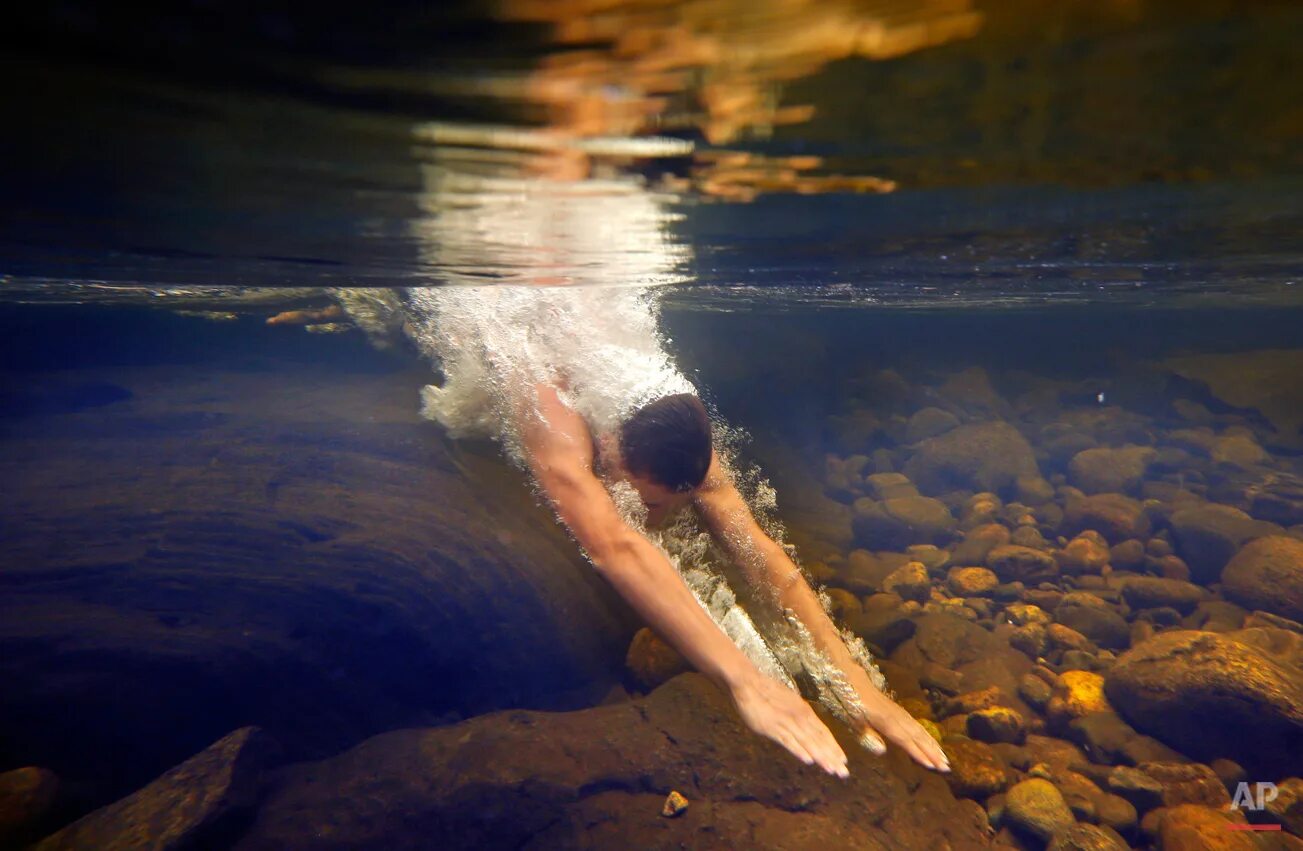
column 559, row 449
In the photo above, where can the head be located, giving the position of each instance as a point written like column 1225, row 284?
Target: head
column 665, row 450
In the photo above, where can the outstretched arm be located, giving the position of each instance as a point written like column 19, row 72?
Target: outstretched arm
column 767, row 566
column 559, row 450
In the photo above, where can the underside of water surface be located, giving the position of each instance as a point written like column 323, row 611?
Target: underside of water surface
column 995, row 309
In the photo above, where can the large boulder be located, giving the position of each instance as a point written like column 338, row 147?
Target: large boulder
column 1113, row 515
column 598, row 778
column 1209, row 695
column 986, row 456
column 894, row 524
column 1268, row 574
column 1111, row 470
column 1208, row 535
column 294, row 548
column 200, row 803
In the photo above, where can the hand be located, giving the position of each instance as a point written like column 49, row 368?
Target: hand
column 883, row 716
column 775, row 711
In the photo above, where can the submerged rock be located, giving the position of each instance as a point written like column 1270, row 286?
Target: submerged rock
column 1113, row 515
column 1088, row 837
column 198, row 804
column 1211, row 696
column 1037, row 808
column 1014, row 563
column 26, row 796
column 894, row 524
column 1268, row 574
column 986, row 456
column 1110, row 470
column 1149, row 592
column 650, row 661
column 976, row 770
column 1207, row 536
column 598, row 778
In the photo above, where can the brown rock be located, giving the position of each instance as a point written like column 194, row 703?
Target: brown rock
column 598, row 778
column 1013, row 563
column 1191, row 827
column 26, row 796
column 194, row 805
column 987, row 456
column 1110, row 470
column 1211, row 696
column 1114, row 516
column 1268, row 574
column 976, row 771
column 971, row 581
column 651, row 662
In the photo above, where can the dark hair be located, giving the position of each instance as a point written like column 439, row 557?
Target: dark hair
column 669, row 442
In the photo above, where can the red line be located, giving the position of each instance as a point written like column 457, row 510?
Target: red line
column 1234, row 826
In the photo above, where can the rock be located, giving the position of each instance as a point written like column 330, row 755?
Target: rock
column 650, row 661
column 889, row 486
column 1086, row 553
column 1066, row 638
column 1037, row 808
column 1093, row 618
column 884, row 629
column 1128, row 555
column 1035, row 691
column 911, row 582
column 597, row 778
column 997, row 724
column 1210, row 696
column 675, row 804
column 1013, row 563
column 1191, row 827
column 1238, row 450
column 1033, row 490
column 1113, row 515
column 896, row 523
column 1149, row 592
column 197, row 804
column 950, row 641
column 246, row 549
column 932, row 557
column 1187, row 783
column 971, row 581
column 976, row 771
column 1268, row 574
column 1287, row 807
column 987, row 456
column 1110, row 470
column 1030, row 639
column 1108, row 739
column 1077, row 694
column 864, row 571
column 1208, row 535
column 1142, row 791
column 929, row 422
column 970, row 391
column 1116, row 812
column 1088, row 837
column 26, row 797
column 1021, row 614
column 842, row 603
column 978, row 542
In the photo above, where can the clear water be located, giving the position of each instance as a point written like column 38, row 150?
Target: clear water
column 212, row 521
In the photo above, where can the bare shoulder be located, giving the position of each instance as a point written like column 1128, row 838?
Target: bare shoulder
column 717, row 485
column 554, row 434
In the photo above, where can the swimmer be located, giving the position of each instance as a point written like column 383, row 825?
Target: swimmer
column 665, row 452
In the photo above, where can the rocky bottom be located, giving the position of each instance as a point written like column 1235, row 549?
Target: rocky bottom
column 1095, row 607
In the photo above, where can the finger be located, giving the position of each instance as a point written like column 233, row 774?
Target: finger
column 871, row 741
column 790, row 742
column 830, row 754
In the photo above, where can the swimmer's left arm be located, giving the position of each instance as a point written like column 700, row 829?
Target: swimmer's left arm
column 768, row 566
